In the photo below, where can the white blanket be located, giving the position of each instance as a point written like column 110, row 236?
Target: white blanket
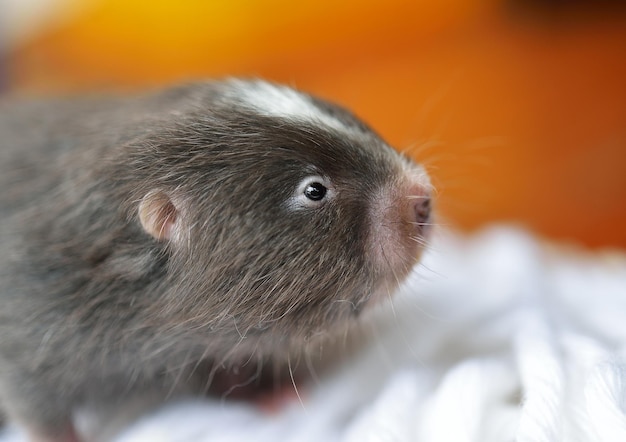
column 494, row 338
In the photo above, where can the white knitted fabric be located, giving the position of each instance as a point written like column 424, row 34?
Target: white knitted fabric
column 494, row 338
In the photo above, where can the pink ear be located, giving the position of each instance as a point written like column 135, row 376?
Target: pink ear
column 158, row 215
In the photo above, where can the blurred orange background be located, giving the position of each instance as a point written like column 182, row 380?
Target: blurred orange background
column 518, row 108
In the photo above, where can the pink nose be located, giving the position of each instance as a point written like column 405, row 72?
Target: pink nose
column 419, row 207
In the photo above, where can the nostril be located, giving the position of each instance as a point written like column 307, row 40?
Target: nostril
column 422, row 209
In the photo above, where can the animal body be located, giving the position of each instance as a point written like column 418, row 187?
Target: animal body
column 172, row 242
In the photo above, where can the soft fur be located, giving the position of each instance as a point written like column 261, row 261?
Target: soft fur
column 100, row 302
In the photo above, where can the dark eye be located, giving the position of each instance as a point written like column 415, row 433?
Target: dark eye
column 315, row 191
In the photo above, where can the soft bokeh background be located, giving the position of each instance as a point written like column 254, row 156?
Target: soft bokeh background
column 517, row 107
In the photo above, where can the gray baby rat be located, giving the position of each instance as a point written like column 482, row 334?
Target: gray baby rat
column 147, row 242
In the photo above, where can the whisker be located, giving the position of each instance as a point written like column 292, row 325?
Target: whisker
column 248, row 381
column 293, row 382
column 395, row 276
column 419, row 241
column 310, row 367
column 415, row 223
column 434, row 272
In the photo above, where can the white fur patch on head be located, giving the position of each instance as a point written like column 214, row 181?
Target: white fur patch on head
column 284, row 102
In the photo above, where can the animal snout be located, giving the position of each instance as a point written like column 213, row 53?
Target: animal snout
column 421, row 209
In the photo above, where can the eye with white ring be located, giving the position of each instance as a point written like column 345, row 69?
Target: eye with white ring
column 313, row 191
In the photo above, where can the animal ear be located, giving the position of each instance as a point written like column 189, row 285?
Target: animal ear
column 159, row 216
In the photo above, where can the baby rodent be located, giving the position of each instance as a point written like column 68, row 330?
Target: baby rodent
column 147, row 240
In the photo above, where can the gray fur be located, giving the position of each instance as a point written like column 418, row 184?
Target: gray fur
column 94, row 310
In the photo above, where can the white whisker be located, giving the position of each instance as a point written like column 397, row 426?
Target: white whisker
column 293, row 382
